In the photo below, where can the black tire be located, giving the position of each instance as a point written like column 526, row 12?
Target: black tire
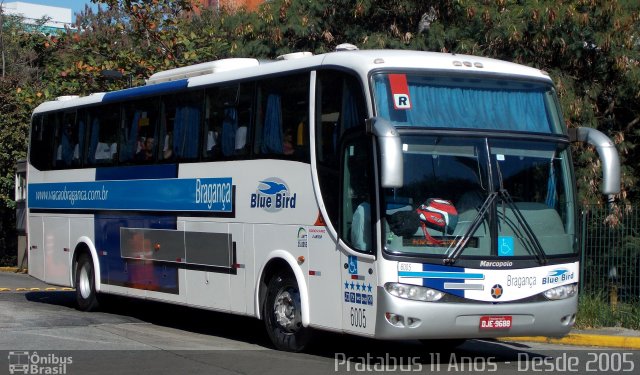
column 282, row 314
column 86, row 296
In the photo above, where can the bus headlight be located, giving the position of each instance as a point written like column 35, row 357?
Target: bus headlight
column 413, row 292
column 562, row 292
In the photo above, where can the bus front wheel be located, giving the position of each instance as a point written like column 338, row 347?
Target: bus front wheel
column 283, row 314
column 86, row 296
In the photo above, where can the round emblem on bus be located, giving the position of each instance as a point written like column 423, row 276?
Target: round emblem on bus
column 496, row 291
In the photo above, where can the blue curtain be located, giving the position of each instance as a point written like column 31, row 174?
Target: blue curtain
column 185, row 132
column 93, row 145
column 229, row 127
column 81, row 131
column 469, row 108
column 349, row 109
column 272, row 130
column 66, row 146
column 552, row 194
column 128, row 152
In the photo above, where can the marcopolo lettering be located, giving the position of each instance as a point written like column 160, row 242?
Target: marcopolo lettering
column 216, row 195
column 487, row 263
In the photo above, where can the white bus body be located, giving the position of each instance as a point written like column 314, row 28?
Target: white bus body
column 266, row 232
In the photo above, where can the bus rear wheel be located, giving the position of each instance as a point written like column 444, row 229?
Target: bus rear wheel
column 283, row 314
column 86, row 295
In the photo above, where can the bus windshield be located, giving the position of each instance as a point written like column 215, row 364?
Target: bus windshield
column 481, row 197
column 470, row 103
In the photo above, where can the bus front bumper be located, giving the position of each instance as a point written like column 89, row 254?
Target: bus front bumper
column 440, row 320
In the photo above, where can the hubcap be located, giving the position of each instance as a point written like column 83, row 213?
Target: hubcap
column 84, row 282
column 286, row 309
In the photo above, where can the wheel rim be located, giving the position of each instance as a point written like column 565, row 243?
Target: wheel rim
column 84, row 283
column 286, row 309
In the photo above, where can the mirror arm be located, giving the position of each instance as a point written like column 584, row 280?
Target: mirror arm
column 390, row 146
column 608, row 155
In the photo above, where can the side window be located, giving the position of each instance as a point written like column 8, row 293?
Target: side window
column 180, row 125
column 282, row 120
column 102, row 135
column 138, row 138
column 42, row 152
column 228, row 117
column 340, row 106
column 356, row 222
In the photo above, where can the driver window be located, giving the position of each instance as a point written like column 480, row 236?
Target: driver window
column 357, row 192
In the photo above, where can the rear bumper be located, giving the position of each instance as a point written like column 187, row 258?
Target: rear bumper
column 435, row 320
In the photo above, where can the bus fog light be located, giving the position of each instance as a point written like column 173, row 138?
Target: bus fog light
column 562, row 292
column 394, row 319
column 413, row 322
column 413, row 292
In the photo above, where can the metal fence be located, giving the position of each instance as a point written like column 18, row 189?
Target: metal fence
column 610, row 263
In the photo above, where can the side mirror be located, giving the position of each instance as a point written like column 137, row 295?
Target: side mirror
column 390, row 145
column 608, row 155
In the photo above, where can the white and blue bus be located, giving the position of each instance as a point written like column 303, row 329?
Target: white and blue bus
column 388, row 194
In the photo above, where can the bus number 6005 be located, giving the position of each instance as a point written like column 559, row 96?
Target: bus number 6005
column 358, row 319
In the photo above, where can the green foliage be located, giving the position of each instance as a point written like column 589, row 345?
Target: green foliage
column 595, row 311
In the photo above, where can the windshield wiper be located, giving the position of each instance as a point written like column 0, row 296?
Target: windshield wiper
column 462, row 243
column 533, row 245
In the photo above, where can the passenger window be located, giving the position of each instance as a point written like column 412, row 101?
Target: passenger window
column 67, row 140
column 102, row 132
column 282, row 119
column 228, row 117
column 138, row 138
column 180, row 126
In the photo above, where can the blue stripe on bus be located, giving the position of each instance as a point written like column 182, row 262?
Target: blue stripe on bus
column 156, row 89
column 442, row 275
column 214, row 195
column 434, row 276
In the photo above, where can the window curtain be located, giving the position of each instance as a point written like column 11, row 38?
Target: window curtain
column 272, row 130
column 468, row 108
column 128, row 152
column 93, row 144
column 229, row 128
column 185, row 132
column 552, row 194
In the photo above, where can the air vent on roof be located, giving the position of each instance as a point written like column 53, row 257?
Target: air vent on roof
column 346, row 47
column 211, row 67
column 66, row 97
column 294, row 55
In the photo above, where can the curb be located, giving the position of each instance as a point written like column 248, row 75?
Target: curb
column 46, row 289
column 579, row 339
column 13, row 269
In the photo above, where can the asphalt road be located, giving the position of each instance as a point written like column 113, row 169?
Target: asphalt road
column 42, row 329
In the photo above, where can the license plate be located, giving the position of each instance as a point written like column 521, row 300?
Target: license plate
column 496, row 322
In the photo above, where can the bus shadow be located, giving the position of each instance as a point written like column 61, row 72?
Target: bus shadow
column 57, row 298
column 334, row 346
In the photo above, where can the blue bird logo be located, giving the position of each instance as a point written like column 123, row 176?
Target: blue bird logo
column 558, row 272
column 272, row 188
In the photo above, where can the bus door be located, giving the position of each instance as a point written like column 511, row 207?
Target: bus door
column 356, row 230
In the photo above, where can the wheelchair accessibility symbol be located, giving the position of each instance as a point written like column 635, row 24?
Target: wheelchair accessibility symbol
column 505, row 246
column 353, row 265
